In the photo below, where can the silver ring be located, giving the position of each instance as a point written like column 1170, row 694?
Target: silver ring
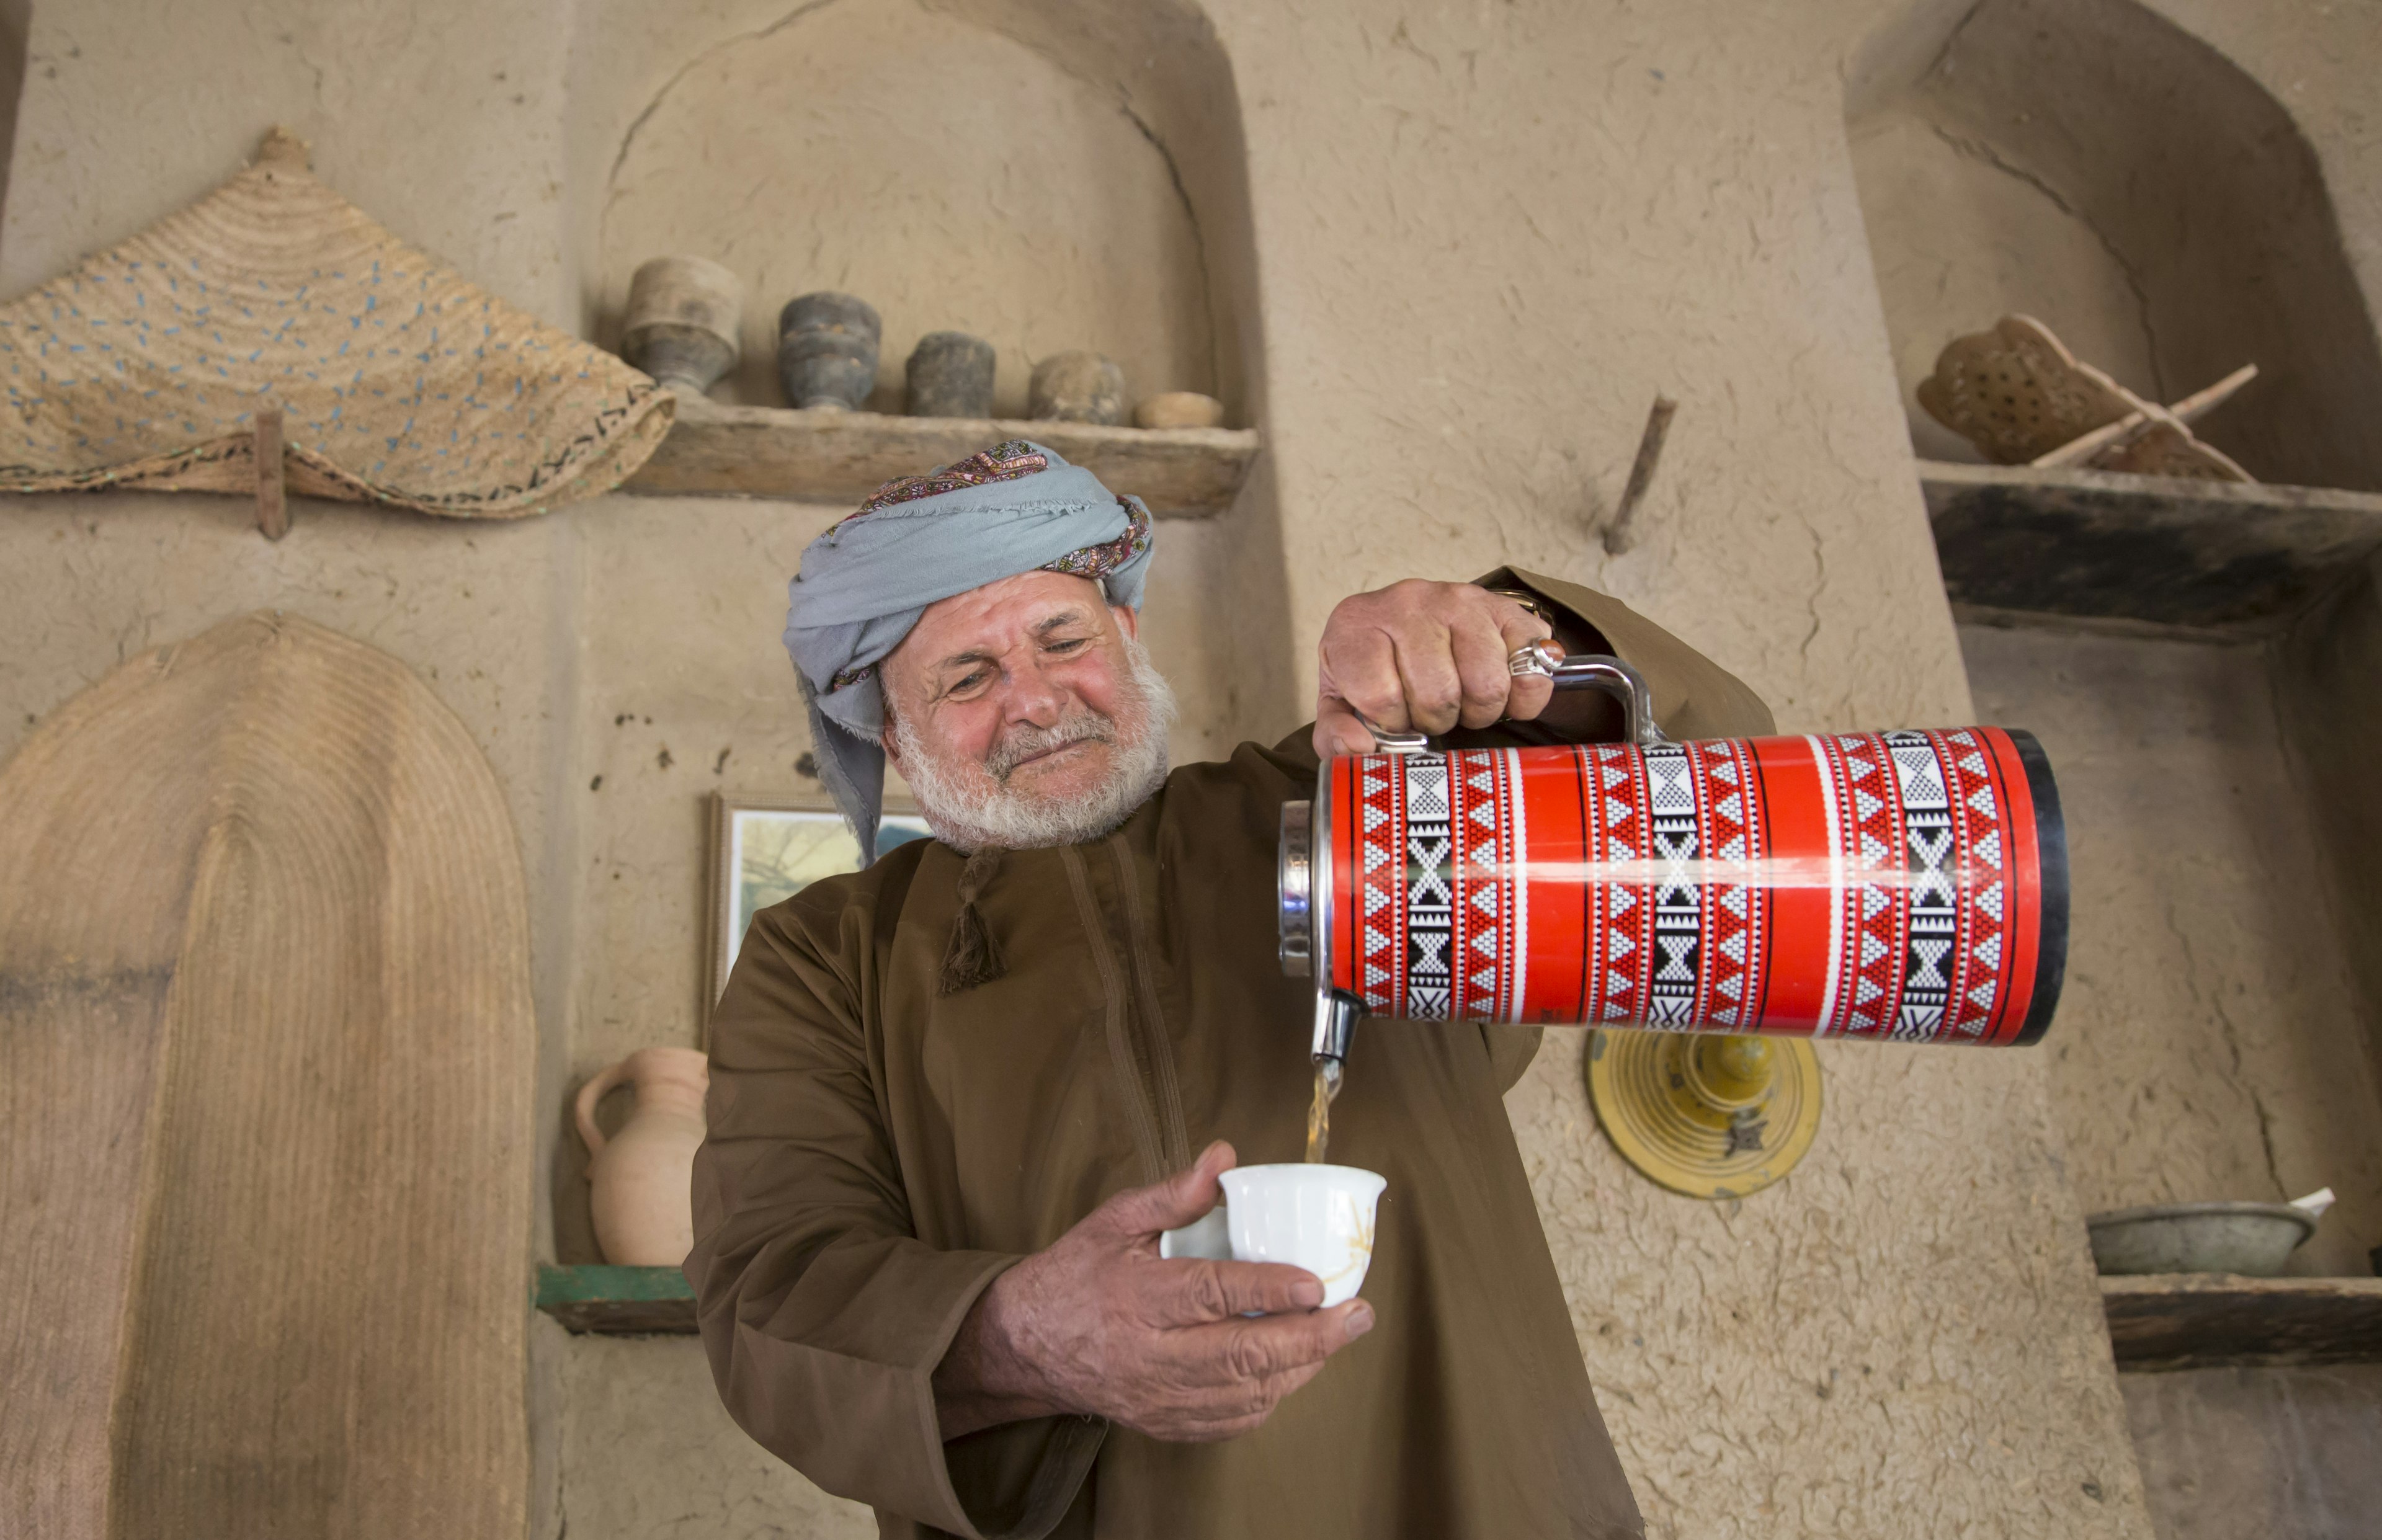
column 1534, row 661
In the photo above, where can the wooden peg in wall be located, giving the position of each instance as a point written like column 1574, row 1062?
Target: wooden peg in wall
column 271, row 499
column 1621, row 534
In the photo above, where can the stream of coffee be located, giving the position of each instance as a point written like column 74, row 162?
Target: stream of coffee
column 1318, row 1117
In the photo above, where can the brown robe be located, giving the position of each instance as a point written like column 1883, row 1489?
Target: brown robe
column 879, row 1153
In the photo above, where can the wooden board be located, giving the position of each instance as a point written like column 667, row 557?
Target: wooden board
column 268, row 1050
column 2211, row 1320
column 2071, row 544
column 841, row 456
column 629, row 1302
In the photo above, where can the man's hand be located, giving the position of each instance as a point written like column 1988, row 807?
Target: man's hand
column 1098, row 1324
column 1422, row 656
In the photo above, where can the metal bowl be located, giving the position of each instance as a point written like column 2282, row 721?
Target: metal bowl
column 2251, row 1239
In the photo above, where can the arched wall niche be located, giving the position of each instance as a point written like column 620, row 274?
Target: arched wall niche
column 2089, row 163
column 1045, row 174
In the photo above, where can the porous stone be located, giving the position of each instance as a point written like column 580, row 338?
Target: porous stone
column 827, row 350
column 1076, row 388
column 951, row 375
column 681, row 322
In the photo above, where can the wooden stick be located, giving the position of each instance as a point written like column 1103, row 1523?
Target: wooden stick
column 2197, row 405
column 2200, row 403
column 1618, row 536
column 272, row 500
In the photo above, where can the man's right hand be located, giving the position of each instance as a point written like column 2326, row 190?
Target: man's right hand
column 1100, row 1325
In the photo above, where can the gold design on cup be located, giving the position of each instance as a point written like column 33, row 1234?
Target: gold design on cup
column 1359, row 1230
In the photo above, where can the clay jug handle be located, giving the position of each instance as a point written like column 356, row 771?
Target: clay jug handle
column 589, row 1094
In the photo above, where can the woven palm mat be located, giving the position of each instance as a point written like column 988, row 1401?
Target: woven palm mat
column 266, row 1059
column 398, row 381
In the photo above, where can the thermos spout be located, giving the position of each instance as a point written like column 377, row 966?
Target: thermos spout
column 1335, row 1028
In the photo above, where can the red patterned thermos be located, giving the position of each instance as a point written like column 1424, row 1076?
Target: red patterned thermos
column 1907, row 885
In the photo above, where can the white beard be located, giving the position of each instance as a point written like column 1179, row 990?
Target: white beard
column 971, row 806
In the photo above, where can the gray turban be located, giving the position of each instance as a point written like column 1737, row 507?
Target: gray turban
column 1014, row 507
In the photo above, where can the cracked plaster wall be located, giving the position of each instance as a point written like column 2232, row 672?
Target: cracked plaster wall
column 1960, row 241
column 1487, row 237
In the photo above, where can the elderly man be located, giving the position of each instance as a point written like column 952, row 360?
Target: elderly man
column 956, row 1097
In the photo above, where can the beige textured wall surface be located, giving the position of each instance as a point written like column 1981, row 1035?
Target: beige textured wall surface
column 2232, row 1452
column 649, row 1454
column 2209, row 1043
column 439, row 119
column 1960, row 241
column 1899, row 1338
column 1003, row 197
column 2101, row 119
column 1475, row 242
column 2329, row 696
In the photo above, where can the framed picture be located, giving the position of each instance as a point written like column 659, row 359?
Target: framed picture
column 766, row 850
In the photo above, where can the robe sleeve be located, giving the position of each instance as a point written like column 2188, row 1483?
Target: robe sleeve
column 822, row 1314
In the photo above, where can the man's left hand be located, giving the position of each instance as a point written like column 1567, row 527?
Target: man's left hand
column 1420, row 656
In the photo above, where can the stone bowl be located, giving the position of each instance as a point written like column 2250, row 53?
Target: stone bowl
column 2251, row 1240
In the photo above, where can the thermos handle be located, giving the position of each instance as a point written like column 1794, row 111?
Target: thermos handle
column 1595, row 671
column 1589, row 671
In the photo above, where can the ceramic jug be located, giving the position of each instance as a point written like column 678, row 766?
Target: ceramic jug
column 1909, row 886
column 644, row 1176
column 827, row 351
column 684, row 321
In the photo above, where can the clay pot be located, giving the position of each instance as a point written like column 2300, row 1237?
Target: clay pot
column 644, row 1176
column 827, row 351
column 1076, row 388
column 951, row 375
column 1179, row 408
column 683, row 321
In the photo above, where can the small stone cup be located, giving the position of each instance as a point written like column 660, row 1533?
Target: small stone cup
column 827, row 351
column 682, row 320
column 951, row 375
column 1076, row 388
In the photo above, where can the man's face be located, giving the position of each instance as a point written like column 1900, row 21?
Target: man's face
column 1023, row 714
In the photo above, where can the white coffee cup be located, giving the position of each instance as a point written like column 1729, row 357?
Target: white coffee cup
column 1319, row 1217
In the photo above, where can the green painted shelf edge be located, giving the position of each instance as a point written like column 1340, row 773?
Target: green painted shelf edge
column 616, row 1300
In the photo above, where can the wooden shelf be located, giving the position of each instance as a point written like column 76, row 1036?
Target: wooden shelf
column 2130, row 552
column 841, row 456
column 619, row 1301
column 2204, row 1321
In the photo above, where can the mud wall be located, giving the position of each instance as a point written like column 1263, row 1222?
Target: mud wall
column 1451, row 257
column 2213, row 1042
column 2097, row 165
column 2326, row 670
column 2229, row 1452
column 957, row 177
